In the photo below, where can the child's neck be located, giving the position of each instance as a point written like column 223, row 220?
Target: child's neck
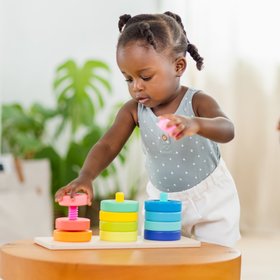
column 172, row 105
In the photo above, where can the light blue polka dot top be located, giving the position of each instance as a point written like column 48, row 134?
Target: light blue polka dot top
column 176, row 165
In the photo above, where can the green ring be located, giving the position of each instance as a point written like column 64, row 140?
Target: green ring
column 118, row 236
column 118, row 226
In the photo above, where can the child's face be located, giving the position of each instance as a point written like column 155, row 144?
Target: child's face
column 151, row 77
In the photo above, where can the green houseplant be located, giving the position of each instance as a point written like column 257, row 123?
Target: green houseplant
column 80, row 94
column 23, row 131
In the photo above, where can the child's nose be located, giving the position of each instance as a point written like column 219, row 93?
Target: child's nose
column 137, row 85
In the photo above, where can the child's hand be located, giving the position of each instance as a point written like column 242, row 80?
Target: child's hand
column 78, row 184
column 183, row 126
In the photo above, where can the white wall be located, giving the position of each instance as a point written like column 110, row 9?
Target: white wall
column 37, row 35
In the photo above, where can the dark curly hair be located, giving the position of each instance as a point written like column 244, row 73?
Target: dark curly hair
column 161, row 31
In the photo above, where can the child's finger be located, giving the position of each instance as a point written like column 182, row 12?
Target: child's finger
column 179, row 135
column 89, row 194
column 73, row 191
column 60, row 193
column 89, row 200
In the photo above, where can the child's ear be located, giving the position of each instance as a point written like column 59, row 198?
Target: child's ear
column 180, row 66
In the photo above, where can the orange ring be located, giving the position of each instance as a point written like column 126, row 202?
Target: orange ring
column 72, row 236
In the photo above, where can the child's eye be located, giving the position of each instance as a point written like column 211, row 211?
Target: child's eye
column 128, row 80
column 146, row 78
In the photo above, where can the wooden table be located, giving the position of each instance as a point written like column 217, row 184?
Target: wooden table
column 24, row 260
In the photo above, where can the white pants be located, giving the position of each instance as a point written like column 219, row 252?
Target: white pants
column 210, row 210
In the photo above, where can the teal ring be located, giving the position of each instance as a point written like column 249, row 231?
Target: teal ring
column 110, row 205
column 162, row 226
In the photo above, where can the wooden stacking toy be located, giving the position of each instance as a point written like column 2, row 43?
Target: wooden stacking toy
column 72, row 228
column 118, row 219
column 162, row 219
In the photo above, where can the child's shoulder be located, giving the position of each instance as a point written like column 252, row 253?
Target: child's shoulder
column 196, row 94
column 201, row 97
column 130, row 106
column 130, row 109
column 203, row 102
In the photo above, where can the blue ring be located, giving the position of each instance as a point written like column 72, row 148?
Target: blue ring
column 162, row 235
column 163, row 206
column 163, row 216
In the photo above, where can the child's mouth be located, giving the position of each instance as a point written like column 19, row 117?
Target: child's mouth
column 143, row 100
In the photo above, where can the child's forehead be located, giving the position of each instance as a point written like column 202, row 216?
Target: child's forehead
column 140, row 50
column 136, row 44
column 139, row 59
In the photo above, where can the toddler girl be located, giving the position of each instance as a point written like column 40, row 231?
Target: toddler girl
column 186, row 163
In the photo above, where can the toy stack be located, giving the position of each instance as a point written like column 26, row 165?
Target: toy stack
column 163, row 219
column 118, row 219
column 72, row 228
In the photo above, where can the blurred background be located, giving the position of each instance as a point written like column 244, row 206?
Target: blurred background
column 60, row 88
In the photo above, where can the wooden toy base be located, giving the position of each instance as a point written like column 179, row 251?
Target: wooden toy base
column 95, row 243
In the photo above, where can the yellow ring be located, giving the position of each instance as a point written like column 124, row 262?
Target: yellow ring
column 72, row 236
column 118, row 236
column 118, row 216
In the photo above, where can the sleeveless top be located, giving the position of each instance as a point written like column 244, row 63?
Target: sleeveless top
column 175, row 165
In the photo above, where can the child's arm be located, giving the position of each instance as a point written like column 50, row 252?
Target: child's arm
column 103, row 152
column 209, row 121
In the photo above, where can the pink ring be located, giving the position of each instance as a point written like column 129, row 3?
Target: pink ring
column 163, row 125
column 79, row 199
column 65, row 224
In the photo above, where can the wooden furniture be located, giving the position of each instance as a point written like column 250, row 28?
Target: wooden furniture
column 24, row 260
